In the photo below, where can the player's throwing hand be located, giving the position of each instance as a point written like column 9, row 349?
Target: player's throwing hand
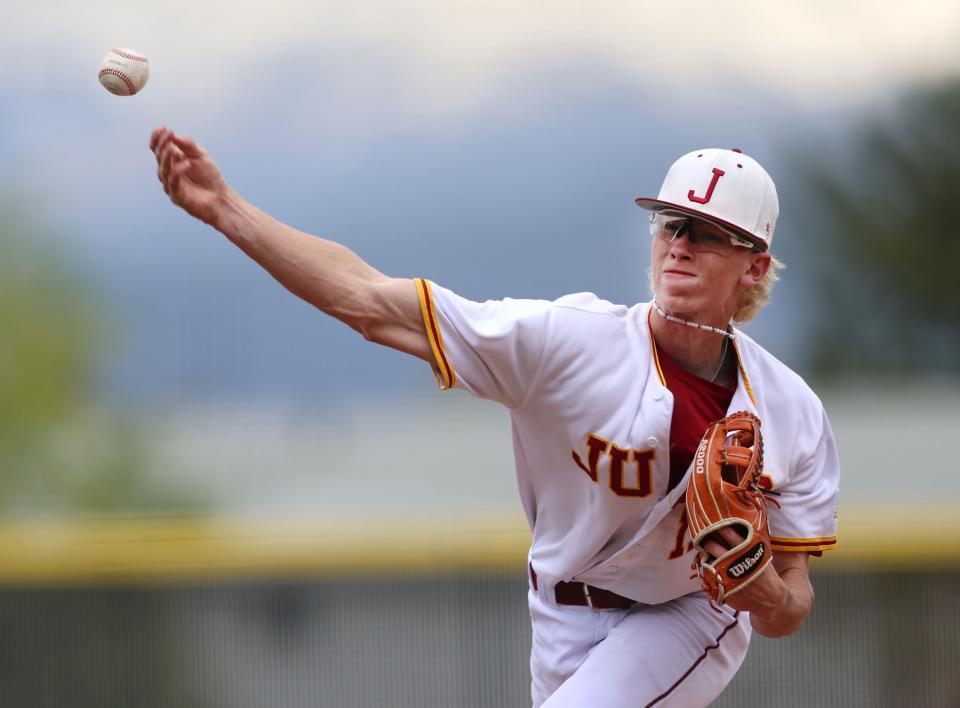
column 189, row 175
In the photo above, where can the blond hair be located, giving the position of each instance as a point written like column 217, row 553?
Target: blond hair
column 752, row 299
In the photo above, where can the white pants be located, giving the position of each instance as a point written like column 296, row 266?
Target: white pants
column 680, row 653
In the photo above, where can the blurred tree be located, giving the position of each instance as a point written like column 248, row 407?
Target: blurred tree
column 882, row 215
column 58, row 449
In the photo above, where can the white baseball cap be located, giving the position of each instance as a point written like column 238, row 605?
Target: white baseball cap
column 724, row 187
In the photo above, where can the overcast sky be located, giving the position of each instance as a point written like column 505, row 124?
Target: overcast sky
column 492, row 146
column 450, row 55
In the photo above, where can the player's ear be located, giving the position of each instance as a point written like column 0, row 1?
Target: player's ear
column 757, row 267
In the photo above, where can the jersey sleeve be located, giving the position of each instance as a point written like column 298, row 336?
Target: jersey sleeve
column 806, row 519
column 491, row 349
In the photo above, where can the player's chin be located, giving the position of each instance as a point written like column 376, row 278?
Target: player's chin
column 676, row 294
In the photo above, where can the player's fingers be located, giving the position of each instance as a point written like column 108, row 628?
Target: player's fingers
column 168, row 158
column 161, row 173
column 722, row 540
column 165, row 180
column 180, row 168
column 188, row 145
column 164, row 177
column 169, row 155
column 156, row 135
column 172, row 187
column 171, row 182
column 163, row 157
column 176, row 176
column 162, row 141
column 160, row 154
column 714, row 549
column 730, row 536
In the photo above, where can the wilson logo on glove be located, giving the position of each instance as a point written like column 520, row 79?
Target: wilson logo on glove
column 746, row 563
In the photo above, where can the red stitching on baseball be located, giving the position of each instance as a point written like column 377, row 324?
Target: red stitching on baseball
column 120, row 75
column 127, row 55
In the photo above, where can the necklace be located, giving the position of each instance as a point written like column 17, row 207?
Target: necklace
column 696, row 325
column 723, row 358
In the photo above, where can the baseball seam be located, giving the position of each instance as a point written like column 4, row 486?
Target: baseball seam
column 128, row 55
column 120, row 75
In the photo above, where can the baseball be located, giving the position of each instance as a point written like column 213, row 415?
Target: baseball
column 124, row 71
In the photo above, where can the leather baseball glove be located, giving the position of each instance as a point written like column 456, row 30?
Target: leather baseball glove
column 723, row 491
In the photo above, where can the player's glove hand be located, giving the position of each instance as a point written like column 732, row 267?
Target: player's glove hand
column 723, row 492
column 189, row 175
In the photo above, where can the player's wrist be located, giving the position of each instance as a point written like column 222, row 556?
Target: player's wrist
column 227, row 212
column 780, row 613
column 777, row 597
column 765, row 598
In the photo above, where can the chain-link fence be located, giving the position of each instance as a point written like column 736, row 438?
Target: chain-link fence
column 432, row 638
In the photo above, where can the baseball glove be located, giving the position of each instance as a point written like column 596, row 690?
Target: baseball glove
column 723, row 491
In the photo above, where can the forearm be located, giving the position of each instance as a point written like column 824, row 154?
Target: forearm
column 326, row 274
column 783, row 609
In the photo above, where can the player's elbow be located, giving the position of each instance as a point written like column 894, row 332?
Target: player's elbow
column 369, row 317
column 371, row 328
column 391, row 316
column 363, row 323
column 363, row 309
column 372, row 331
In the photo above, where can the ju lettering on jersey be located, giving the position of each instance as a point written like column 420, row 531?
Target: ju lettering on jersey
column 629, row 471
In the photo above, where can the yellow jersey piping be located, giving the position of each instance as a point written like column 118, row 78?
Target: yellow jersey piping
column 442, row 368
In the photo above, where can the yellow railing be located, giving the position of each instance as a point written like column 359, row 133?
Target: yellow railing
column 168, row 549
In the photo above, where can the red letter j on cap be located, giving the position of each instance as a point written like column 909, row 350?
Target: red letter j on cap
column 717, row 174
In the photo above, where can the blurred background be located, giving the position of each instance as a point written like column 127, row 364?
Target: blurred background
column 211, row 495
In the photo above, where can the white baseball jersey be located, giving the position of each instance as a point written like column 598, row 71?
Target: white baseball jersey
column 591, row 419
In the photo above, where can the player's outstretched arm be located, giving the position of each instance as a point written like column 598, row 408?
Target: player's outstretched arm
column 326, row 274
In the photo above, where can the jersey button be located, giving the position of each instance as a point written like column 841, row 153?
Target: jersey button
column 652, row 441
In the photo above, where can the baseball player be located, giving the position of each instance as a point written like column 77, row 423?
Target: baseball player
column 608, row 404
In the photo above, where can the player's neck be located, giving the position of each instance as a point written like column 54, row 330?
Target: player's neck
column 703, row 353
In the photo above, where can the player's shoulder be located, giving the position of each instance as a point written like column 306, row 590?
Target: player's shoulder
column 584, row 302
column 586, row 318
column 589, row 304
column 772, row 379
column 578, row 315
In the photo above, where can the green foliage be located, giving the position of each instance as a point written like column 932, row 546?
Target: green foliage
column 884, row 222
column 47, row 336
column 58, row 450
